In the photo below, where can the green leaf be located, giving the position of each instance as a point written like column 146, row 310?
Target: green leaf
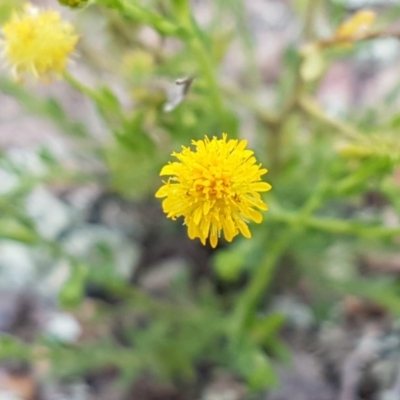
column 266, row 328
column 136, row 12
column 72, row 293
column 13, row 229
column 261, row 373
column 229, row 264
column 276, row 348
column 13, row 348
column 255, row 366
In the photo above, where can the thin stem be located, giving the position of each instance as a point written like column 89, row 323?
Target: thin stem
column 274, row 149
column 337, row 226
column 308, row 29
column 312, row 108
column 81, row 87
column 198, row 48
column 276, row 125
column 194, row 39
column 253, row 74
column 244, row 99
column 259, row 281
column 263, row 274
column 145, row 15
column 112, row 115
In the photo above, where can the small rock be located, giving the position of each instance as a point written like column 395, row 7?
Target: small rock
column 50, row 214
column 17, row 269
column 85, row 242
column 303, row 380
column 81, row 198
column 384, row 371
column 69, row 391
column 160, row 277
column 8, row 181
column 63, row 327
column 224, row 388
column 20, row 314
column 27, row 160
column 297, row 314
column 55, row 280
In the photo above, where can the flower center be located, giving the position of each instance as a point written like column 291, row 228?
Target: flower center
column 212, row 188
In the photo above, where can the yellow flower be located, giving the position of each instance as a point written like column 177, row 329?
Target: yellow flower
column 357, row 25
column 215, row 188
column 37, row 43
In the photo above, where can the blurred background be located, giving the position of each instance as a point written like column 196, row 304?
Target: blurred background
column 103, row 298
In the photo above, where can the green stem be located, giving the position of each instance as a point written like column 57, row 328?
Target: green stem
column 277, row 125
column 274, row 148
column 262, row 276
column 182, row 9
column 310, row 107
column 195, row 41
column 107, row 108
column 337, row 226
column 247, row 100
column 253, row 74
column 145, row 15
column 259, row 281
column 81, row 87
column 198, row 48
column 309, row 18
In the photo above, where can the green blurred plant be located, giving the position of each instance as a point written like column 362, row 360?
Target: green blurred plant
column 320, row 166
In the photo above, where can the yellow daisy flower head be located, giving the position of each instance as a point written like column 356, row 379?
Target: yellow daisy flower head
column 37, row 43
column 214, row 188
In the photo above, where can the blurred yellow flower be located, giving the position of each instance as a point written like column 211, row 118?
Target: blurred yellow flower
column 358, row 24
column 37, row 43
column 215, row 188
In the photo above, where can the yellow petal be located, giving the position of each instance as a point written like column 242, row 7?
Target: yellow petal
column 229, row 228
column 214, row 238
column 260, row 187
column 191, row 230
column 168, row 170
column 198, row 213
column 162, row 192
column 243, row 228
column 206, row 207
column 255, row 216
column 205, row 227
